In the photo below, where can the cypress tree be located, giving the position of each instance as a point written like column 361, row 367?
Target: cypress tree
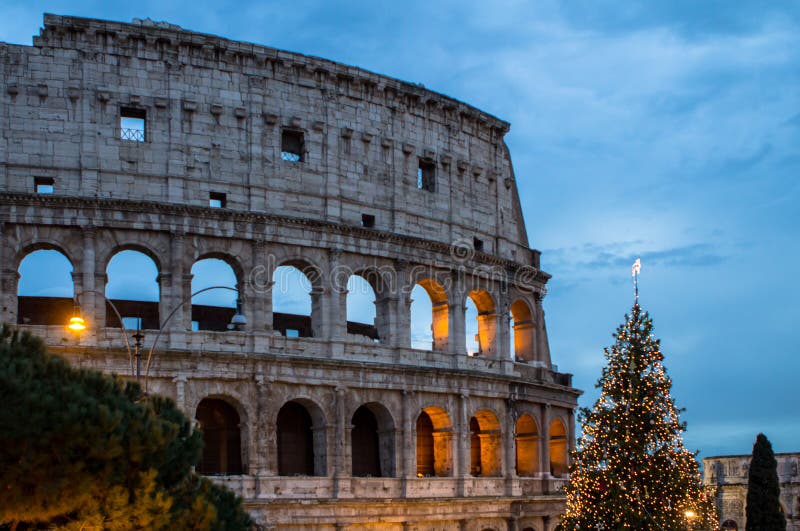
column 763, row 490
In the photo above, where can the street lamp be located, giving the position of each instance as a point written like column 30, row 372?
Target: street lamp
column 78, row 324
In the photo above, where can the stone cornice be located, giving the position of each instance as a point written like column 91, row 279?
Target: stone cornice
column 120, row 205
column 147, row 39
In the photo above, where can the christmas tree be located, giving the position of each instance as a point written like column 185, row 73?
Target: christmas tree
column 763, row 490
column 631, row 470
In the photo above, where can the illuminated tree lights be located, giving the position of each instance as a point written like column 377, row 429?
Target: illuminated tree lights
column 631, row 470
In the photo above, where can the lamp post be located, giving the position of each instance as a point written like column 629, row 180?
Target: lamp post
column 77, row 324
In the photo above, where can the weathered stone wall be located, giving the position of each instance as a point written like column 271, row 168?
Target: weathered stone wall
column 215, row 110
column 729, row 475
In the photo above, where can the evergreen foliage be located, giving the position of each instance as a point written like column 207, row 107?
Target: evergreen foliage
column 79, row 449
column 763, row 490
column 631, row 470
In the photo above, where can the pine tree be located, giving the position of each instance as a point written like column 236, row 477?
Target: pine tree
column 80, row 449
column 763, row 490
column 631, row 470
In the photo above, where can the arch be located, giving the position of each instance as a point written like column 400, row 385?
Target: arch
column 521, row 325
column 439, row 315
column 372, row 441
column 295, row 301
column 301, row 440
column 45, row 289
column 361, row 307
column 434, row 443
column 558, row 448
column 485, row 444
column 133, row 287
column 138, row 247
column 222, row 439
column 527, row 446
column 213, row 309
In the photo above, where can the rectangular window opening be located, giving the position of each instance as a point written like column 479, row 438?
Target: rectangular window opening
column 367, row 220
column 426, row 176
column 291, row 332
column 477, row 244
column 217, row 199
column 44, row 185
column 132, row 124
column 292, row 145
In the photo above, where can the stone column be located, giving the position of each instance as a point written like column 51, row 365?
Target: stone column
column 408, row 449
column 570, row 434
column 258, row 290
column 339, row 466
column 462, row 443
column 509, row 454
column 91, row 303
column 264, row 437
column 402, row 294
column 9, row 277
column 101, row 308
column 503, row 337
column 332, row 301
column 487, row 334
column 175, row 290
column 542, row 345
column 457, row 341
column 386, row 318
column 544, row 467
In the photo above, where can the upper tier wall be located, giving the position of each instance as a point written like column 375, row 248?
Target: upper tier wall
column 215, row 112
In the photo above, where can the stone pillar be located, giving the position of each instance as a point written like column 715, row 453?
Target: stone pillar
column 175, row 290
column 386, row 318
column 544, row 466
column 570, row 434
column 331, row 302
column 503, row 337
column 403, row 330
column 340, row 443
column 264, row 436
column 441, row 326
column 408, row 450
column 487, row 334
column 542, row 345
column 91, row 303
column 462, row 443
column 101, row 307
column 180, row 395
column 458, row 340
column 258, row 290
column 9, row 280
column 509, row 454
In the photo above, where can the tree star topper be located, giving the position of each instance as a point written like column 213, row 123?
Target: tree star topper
column 635, row 270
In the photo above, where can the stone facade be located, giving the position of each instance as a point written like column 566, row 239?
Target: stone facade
column 265, row 158
column 729, row 475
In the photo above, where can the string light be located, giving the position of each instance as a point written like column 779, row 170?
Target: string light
column 631, row 470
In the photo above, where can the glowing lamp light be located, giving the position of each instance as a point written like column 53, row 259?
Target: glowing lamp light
column 689, row 514
column 77, row 324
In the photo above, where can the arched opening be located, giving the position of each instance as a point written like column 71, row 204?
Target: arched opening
column 301, row 446
column 429, row 316
column 133, row 288
column 45, row 290
column 558, row 449
column 213, row 309
column 480, row 322
column 730, row 525
column 361, row 308
column 485, row 444
column 372, row 441
column 472, row 340
column 527, row 445
column 292, row 301
column 434, row 443
column 521, row 331
column 222, row 447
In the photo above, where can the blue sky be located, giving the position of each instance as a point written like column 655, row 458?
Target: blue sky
column 665, row 130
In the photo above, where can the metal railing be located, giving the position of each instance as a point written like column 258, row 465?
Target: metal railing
column 134, row 135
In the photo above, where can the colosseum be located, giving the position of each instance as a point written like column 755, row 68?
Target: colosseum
column 179, row 150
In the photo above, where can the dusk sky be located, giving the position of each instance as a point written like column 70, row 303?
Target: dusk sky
column 668, row 131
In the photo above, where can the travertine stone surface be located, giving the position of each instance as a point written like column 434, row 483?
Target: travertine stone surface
column 215, row 114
